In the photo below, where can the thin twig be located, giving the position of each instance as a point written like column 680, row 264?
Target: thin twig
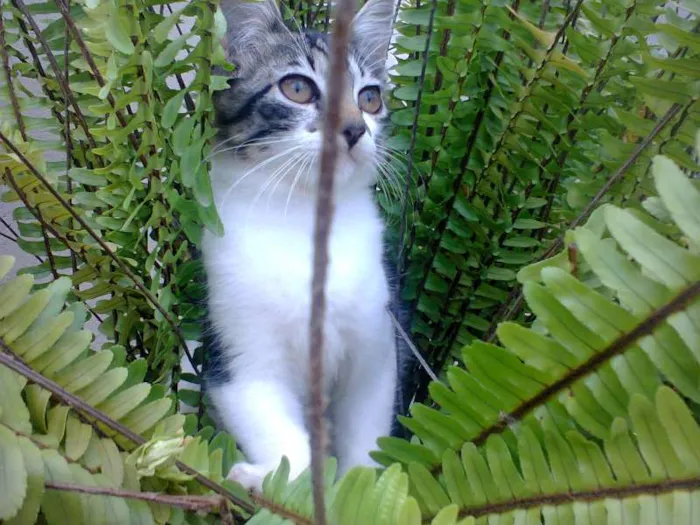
column 322, row 227
column 588, row 496
column 66, row 131
column 9, row 227
column 414, row 136
column 679, row 303
column 9, row 238
column 187, row 502
column 413, row 347
column 60, row 80
column 137, row 282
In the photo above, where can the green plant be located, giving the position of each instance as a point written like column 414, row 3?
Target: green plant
column 530, row 130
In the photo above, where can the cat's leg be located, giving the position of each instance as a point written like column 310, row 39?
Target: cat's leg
column 363, row 407
column 267, row 419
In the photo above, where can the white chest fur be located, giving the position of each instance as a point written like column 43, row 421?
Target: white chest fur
column 260, row 274
column 259, row 281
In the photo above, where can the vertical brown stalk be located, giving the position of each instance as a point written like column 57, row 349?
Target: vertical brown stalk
column 322, row 226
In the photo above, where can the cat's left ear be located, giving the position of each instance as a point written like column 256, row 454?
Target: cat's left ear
column 372, row 29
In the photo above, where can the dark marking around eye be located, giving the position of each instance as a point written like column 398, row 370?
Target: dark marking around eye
column 272, row 111
column 246, row 109
column 266, row 132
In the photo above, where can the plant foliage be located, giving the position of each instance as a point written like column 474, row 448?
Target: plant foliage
column 526, row 111
column 532, row 131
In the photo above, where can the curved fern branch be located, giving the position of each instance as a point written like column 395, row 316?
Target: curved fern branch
column 679, row 303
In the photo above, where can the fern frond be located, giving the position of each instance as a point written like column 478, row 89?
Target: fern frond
column 604, row 342
column 73, row 440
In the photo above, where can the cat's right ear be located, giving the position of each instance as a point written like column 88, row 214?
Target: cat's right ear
column 248, row 23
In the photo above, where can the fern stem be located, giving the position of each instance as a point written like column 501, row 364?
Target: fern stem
column 187, row 502
column 412, row 147
column 322, row 226
column 657, row 488
column 67, row 94
column 645, row 327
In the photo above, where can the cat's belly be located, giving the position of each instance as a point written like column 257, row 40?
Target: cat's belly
column 264, row 284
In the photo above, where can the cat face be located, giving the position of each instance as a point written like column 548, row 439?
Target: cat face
column 274, row 108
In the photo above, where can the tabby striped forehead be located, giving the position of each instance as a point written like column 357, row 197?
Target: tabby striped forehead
column 249, row 111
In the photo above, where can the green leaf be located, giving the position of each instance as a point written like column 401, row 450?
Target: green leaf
column 680, row 196
column 77, row 438
column 34, row 468
column 13, row 474
column 59, row 507
column 171, row 109
column 167, row 56
column 427, row 488
column 664, row 259
column 13, row 411
column 111, row 462
column 118, row 31
column 161, row 31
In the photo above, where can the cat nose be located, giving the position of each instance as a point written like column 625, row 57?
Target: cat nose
column 353, row 131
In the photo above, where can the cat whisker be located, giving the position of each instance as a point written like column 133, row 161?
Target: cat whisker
column 389, row 185
column 250, row 144
column 277, row 175
column 306, row 163
column 299, row 160
column 257, row 167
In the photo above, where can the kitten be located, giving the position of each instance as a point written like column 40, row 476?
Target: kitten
column 259, row 273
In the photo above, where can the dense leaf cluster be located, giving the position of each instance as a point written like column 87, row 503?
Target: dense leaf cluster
column 531, row 133
column 526, row 111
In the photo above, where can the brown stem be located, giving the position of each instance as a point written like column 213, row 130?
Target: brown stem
column 45, row 226
column 618, row 346
column 322, row 226
column 67, row 94
column 187, row 502
column 49, row 254
column 137, row 282
column 66, row 131
column 566, row 498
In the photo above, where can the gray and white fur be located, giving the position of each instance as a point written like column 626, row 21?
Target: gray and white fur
column 264, row 176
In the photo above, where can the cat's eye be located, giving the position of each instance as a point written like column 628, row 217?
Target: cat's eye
column 370, row 100
column 299, row 89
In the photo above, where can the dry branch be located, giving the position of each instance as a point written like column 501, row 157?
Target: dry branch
column 322, row 228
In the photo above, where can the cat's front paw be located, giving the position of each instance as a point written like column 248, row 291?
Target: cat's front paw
column 249, row 476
